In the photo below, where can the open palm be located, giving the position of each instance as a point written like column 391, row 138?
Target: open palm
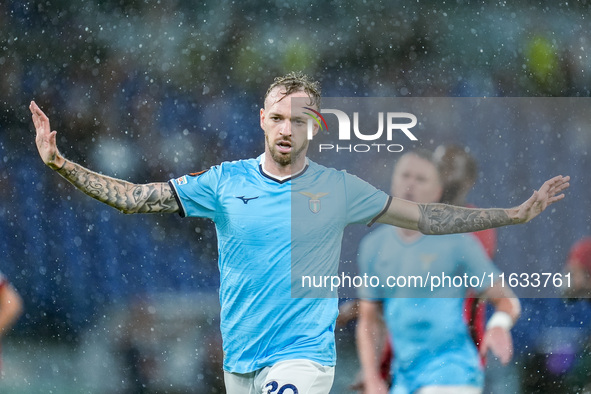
column 45, row 138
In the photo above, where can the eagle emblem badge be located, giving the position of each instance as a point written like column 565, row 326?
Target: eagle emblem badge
column 314, row 202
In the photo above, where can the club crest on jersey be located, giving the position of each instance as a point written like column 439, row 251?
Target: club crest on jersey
column 314, row 202
column 182, row 180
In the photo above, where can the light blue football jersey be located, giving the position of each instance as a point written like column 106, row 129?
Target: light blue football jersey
column 264, row 226
column 431, row 342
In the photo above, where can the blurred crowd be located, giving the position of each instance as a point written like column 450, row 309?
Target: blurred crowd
column 149, row 90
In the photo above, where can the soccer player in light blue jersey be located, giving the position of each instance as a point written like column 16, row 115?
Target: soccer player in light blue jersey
column 273, row 213
column 433, row 349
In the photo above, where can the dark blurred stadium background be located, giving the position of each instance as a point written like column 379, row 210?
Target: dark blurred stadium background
column 150, row 90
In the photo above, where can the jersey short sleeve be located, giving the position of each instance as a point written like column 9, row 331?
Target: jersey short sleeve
column 196, row 193
column 365, row 203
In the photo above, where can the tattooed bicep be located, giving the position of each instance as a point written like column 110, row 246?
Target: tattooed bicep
column 155, row 198
column 137, row 194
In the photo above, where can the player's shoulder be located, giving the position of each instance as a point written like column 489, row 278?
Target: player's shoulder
column 379, row 234
column 233, row 167
column 451, row 243
column 459, row 239
column 217, row 172
column 241, row 165
column 463, row 243
column 316, row 168
column 320, row 167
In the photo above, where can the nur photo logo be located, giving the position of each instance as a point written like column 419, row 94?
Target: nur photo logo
column 391, row 126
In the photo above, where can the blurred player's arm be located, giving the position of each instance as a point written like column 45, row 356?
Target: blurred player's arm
column 371, row 336
column 446, row 219
column 580, row 286
column 125, row 196
column 349, row 310
column 578, row 266
column 497, row 337
column 11, row 307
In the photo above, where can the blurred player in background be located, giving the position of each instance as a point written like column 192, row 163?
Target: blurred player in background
column 458, row 172
column 11, row 307
column 433, row 350
column 578, row 264
column 273, row 342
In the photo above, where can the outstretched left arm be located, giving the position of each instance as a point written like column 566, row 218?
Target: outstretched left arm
column 446, row 219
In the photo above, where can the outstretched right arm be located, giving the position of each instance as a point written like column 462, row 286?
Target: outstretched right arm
column 122, row 195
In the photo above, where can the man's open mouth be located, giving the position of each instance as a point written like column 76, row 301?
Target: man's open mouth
column 284, row 146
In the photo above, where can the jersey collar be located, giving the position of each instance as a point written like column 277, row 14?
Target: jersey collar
column 280, row 179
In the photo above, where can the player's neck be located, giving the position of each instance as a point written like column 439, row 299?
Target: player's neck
column 277, row 170
column 409, row 235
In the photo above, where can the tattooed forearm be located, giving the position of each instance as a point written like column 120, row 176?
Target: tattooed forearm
column 124, row 196
column 447, row 219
